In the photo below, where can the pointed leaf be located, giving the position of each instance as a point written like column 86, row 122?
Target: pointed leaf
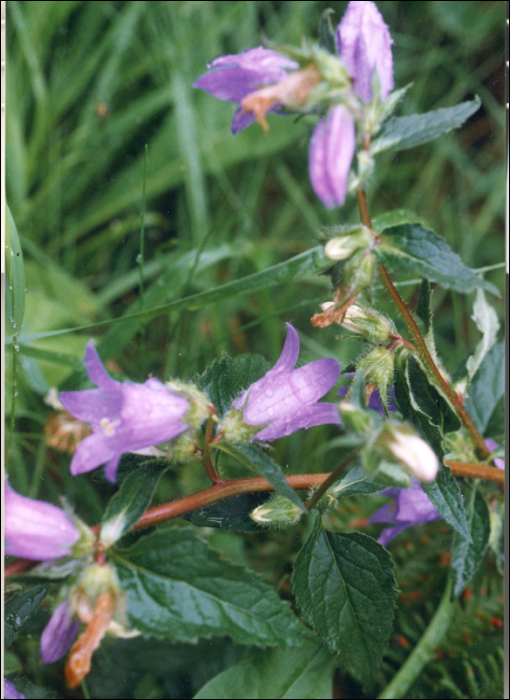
column 400, row 133
column 177, row 587
column 485, row 402
column 486, row 320
column 345, row 586
column 305, row 673
column 414, row 249
column 355, row 481
column 131, row 500
column 253, row 458
column 327, row 37
column 19, row 609
column 467, row 556
column 446, row 498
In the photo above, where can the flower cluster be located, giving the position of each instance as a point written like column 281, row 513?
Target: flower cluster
column 363, row 45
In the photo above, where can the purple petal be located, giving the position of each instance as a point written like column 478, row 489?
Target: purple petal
column 389, row 533
column 290, row 352
column 493, row 445
column 10, row 691
column 59, row 633
column 305, row 417
column 92, row 452
column 232, row 84
column 110, row 471
column 88, row 404
column 95, row 369
column 35, row 529
column 364, row 43
column 332, row 149
column 258, row 59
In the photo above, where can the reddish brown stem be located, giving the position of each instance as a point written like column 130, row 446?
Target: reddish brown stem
column 422, row 348
column 236, row 487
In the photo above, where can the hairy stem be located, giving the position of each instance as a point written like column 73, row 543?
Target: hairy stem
column 424, row 651
column 421, row 346
column 330, row 480
column 235, row 487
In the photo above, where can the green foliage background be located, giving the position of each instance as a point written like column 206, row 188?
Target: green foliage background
column 88, row 86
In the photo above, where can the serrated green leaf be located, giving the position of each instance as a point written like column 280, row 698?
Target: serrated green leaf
column 355, row 481
column 396, row 217
column 131, row 500
column 485, row 402
column 177, row 587
column 327, row 37
column 305, row 673
column 19, row 609
column 467, row 556
column 231, row 514
column 225, row 379
column 446, row 498
column 253, row 458
column 486, row 319
column 345, row 586
column 14, row 276
column 400, row 133
column 427, row 399
column 414, row 249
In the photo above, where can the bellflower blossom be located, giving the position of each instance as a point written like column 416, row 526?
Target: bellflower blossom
column 35, row 529
column 236, row 76
column 286, row 398
column 364, row 43
column 411, row 506
column 10, row 691
column 59, row 633
column 125, row 417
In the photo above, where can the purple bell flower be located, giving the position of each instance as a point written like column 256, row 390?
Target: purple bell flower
column 235, row 76
column 286, row 398
column 364, row 43
column 10, row 691
column 331, row 152
column 411, row 506
column 35, row 529
column 125, row 417
column 59, row 633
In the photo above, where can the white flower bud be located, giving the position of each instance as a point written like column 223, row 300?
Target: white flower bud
column 277, row 511
column 415, row 454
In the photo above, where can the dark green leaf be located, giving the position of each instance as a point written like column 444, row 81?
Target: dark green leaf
column 19, row 609
column 467, row 556
column 395, row 217
column 131, row 500
column 345, row 586
column 327, row 37
column 414, row 249
column 427, row 399
column 232, row 514
column 446, row 497
column 486, row 394
column 225, row 379
column 177, row 587
column 14, row 276
column 355, row 481
column 253, row 458
column 305, row 673
column 400, row 133
column 424, row 306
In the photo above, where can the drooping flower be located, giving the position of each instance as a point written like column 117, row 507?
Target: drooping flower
column 59, row 633
column 35, row 529
column 10, row 691
column 234, row 77
column 410, row 506
column 124, row 416
column 331, row 152
column 364, row 44
column 285, row 399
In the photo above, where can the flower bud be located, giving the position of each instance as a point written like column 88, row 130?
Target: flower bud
column 343, row 247
column 278, row 511
column 356, row 420
column 413, row 453
column 377, row 367
column 368, row 322
column 199, row 404
column 358, row 272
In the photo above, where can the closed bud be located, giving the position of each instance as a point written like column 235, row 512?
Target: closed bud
column 356, row 420
column 342, row 247
column 410, row 451
column 359, row 272
column 367, row 322
column 278, row 511
column 377, row 367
